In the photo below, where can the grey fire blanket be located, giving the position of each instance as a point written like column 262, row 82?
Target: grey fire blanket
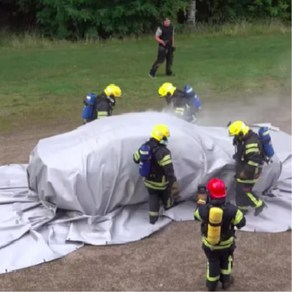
column 83, row 187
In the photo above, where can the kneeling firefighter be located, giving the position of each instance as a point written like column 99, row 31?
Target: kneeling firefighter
column 176, row 100
column 107, row 100
column 100, row 106
column 249, row 159
column 218, row 219
column 156, row 168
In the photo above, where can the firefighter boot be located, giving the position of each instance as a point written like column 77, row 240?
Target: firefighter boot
column 211, row 286
column 226, row 285
column 259, row 209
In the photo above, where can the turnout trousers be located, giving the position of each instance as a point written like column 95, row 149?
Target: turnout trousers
column 244, row 197
column 219, row 266
column 155, row 199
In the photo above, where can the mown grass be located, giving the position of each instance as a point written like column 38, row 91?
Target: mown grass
column 42, row 80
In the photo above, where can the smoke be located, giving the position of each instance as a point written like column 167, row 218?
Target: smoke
column 268, row 107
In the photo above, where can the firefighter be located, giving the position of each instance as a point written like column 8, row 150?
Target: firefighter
column 100, row 106
column 249, row 161
column 218, row 219
column 157, row 171
column 194, row 103
column 176, row 100
column 107, row 100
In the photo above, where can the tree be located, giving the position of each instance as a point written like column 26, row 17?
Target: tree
column 192, row 12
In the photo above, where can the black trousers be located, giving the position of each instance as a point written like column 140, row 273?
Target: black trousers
column 162, row 55
column 219, row 266
column 155, row 199
column 244, row 197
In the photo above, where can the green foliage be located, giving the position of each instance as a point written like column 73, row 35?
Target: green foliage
column 79, row 18
column 220, row 11
column 95, row 19
column 267, row 8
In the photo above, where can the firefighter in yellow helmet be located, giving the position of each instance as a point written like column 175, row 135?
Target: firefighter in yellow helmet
column 218, row 221
column 156, row 168
column 249, row 161
column 107, row 100
column 178, row 102
column 100, row 106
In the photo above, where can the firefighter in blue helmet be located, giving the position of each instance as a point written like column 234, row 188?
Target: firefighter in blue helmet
column 218, row 219
column 100, row 106
column 194, row 102
column 157, row 170
column 249, row 159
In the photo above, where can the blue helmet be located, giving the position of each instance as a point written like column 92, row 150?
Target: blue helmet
column 189, row 91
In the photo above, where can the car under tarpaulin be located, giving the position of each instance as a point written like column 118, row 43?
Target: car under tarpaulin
column 82, row 187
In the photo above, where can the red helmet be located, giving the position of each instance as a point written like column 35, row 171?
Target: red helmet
column 216, row 188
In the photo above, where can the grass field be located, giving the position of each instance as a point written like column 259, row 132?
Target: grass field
column 45, row 81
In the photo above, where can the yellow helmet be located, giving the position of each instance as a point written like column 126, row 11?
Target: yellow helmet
column 113, row 90
column 159, row 132
column 165, row 89
column 238, row 128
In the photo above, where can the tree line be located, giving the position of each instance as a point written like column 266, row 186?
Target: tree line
column 78, row 19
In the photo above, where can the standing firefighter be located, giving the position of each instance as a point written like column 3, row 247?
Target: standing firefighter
column 165, row 38
column 249, row 159
column 156, row 168
column 218, row 219
column 100, row 106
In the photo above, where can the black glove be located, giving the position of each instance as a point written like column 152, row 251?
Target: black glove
column 173, row 49
column 202, row 189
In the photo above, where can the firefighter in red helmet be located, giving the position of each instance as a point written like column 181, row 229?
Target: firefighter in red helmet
column 218, row 219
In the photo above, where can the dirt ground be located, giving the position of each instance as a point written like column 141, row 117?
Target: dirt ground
column 171, row 259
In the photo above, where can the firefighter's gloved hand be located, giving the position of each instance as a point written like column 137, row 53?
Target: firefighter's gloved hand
column 201, row 199
column 175, row 191
column 201, row 196
column 173, row 49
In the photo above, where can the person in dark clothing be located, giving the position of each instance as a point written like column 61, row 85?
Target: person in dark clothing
column 177, row 101
column 218, row 221
column 165, row 38
column 249, row 159
column 160, row 179
column 100, row 106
